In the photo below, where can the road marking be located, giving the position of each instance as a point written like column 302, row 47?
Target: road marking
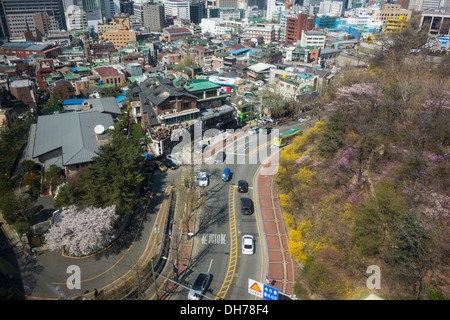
column 233, row 246
column 210, row 264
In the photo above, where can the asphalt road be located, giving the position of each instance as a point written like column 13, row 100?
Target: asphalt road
column 218, row 247
column 46, row 280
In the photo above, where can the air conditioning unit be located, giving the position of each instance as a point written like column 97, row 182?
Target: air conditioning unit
column 174, row 110
column 167, row 112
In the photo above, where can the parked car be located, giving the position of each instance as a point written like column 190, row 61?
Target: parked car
column 246, row 206
column 203, row 179
column 269, row 119
column 200, row 286
column 266, row 130
column 220, row 157
column 248, row 246
column 303, row 119
column 262, row 120
column 161, row 166
column 242, row 186
column 253, row 131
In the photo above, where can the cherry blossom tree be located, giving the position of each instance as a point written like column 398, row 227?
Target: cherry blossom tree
column 82, row 231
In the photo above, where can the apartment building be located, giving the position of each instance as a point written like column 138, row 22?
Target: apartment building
column 294, row 25
column 389, row 11
column 268, row 32
column 20, row 15
column 153, row 16
column 118, row 31
column 313, row 39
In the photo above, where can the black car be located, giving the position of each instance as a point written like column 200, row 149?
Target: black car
column 242, row 186
column 246, row 206
column 266, row 130
column 200, row 285
column 170, row 164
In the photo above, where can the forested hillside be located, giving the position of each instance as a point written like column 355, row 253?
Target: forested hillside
column 369, row 185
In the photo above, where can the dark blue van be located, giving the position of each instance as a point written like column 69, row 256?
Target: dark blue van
column 226, row 174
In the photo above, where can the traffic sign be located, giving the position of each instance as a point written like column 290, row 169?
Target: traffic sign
column 270, row 293
column 256, row 288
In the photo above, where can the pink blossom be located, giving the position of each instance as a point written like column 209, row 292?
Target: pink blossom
column 353, row 198
column 302, row 159
column 80, row 232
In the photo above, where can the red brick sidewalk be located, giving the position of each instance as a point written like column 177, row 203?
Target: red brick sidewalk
column 281, row 275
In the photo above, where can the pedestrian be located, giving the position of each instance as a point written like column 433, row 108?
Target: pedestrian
column 95, row 293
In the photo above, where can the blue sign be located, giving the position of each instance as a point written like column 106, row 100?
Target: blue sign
column 270, row 293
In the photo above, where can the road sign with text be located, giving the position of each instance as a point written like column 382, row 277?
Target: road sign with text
column 270, row 293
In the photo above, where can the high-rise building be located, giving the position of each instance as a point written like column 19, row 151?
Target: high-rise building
column 94, row 11
column 197, row 11
column 126, row 6
column 295, row 25
column 177, row 8
column 153, row 16
column 4, row 32
column 111, row 8
column 20, row 15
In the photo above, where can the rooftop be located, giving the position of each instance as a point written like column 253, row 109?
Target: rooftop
column 173, row 31
column 107, row 71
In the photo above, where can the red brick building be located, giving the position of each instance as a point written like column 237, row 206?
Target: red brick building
column 110, row 75
column 295, row 26
column 173, row 34
column 25, row 50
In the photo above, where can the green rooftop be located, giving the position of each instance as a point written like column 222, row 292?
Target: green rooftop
column 201, row 85
column 71, row 76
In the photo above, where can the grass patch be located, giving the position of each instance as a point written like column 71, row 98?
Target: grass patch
column 137, row 132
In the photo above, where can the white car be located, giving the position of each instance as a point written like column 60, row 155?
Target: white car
column 253, row 130
column 248, row 244
column 303, row 119
column 269, row 119
column 203, row 179
column 262, row 120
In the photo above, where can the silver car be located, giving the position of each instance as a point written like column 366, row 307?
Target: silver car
column 200, row 285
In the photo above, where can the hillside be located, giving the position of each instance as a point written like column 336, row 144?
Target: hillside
column 369, row 186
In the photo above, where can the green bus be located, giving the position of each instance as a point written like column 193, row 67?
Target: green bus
column 283, row 138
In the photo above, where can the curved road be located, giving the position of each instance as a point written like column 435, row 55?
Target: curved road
column 217, row 246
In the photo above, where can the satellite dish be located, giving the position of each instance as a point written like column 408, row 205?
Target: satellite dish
column 99, row 129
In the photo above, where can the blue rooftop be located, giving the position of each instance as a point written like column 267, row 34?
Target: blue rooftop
column 73, row 101
column 120, row 99
column 304, row 76
column 238, row 51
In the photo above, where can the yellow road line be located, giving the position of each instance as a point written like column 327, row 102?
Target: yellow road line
column 233, row 247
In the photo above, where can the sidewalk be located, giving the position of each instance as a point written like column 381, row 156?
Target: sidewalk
column 281, row 268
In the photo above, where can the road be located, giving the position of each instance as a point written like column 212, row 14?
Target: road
column 218, row 245
column 107, row 269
